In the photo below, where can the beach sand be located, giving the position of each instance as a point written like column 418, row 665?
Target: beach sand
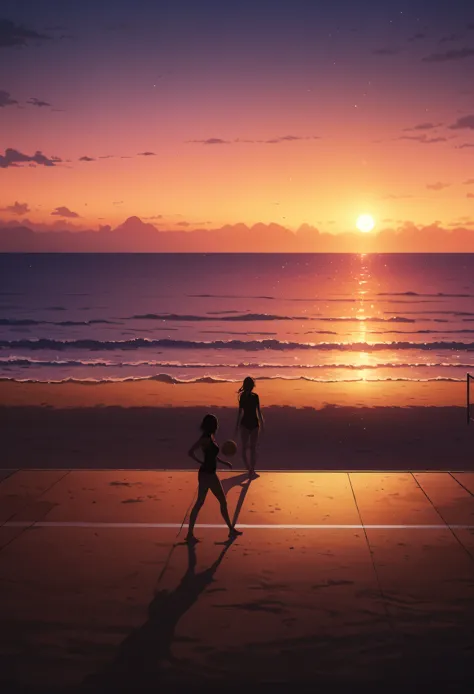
column 95, row 597
column 149, row 424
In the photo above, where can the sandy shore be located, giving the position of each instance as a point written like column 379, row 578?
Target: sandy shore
column 149, row 425
column 371, row 592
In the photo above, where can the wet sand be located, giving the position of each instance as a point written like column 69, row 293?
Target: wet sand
column 148, row 425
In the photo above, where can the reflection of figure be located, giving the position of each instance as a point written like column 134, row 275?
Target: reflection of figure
column 250, row 419
column 138, row 664
column 207, row 475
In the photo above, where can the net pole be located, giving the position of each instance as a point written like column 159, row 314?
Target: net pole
column 468, row 399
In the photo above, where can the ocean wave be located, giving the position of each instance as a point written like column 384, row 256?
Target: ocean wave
column 257, row 317
column 64, row 323
column 437, row 294
column 171, row 380
column 102, row 363
column 242, row 345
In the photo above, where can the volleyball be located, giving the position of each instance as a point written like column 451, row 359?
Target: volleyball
column 229, row 448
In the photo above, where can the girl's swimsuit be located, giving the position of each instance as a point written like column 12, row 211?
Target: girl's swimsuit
column 249, row 402
column 210, row 457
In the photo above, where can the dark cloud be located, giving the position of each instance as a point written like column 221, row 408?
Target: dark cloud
column 423, row 139
column 37, row 102
column 272, row 141
column 462, row 123
column 466, row 145
column 212, row 141
column 454, row 54
column 117, row 202
column 423, row 126
column 183, row 224
column 107, row 156
column 287, row 138
column 64, row 212
column 417, row 37
column 86, row 158
column 18, row 208
column 12, row 34
column 470, row 195
column 469, row 182
column 6, row 100
column 13, row 157
column 451, row 37
column 146, row 154
column 386, row 51
column 437, row 186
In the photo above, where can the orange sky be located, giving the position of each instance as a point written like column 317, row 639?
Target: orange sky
column 347, row 101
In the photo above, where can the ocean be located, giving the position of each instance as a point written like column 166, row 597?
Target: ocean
column 206, row 318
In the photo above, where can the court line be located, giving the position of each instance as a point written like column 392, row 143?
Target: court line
column 220, row 526
column 235, row 469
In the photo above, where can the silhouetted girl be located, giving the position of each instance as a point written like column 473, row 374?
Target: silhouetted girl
column 250, row 419
column 207, row 475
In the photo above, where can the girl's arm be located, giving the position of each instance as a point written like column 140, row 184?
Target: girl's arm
column 259, row 413
column 224, row 462
column 194, row 448
column 238, row 418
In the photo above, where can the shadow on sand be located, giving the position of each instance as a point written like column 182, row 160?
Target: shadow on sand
column 144, row 661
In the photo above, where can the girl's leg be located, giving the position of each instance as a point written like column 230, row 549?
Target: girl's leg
column 253, row 448
column 216, row 488
column 245, row 434
column 202, row 493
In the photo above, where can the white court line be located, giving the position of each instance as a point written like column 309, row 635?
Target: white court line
column 220, row 526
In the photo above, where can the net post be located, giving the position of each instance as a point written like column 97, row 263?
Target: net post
column 468, row 400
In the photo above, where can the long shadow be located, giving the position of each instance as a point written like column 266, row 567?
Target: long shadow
column 138, row 665
column 244, row 481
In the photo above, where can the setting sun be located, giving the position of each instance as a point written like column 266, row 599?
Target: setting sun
column 365, row 223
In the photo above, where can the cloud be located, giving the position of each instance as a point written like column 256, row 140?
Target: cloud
column 386, row 51
column 6, row 100
column 451, row 37
column 86, row 158
column 469, row 182
column 437, row 186
column 18, row 208
column 466, row 145
column 211, row 141
column 146, row 154
column 470, row 195
column 13, row 157
column 64, row 212
column 12, row 34
column 466, row 122
column 417, row 37
column 423, row 139
column 423, row 126
column 455, row 54
column 183, row 224
column 286, row 138
column 272, row 141
column 37, row 102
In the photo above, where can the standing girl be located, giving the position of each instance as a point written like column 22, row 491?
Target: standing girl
column 250, row 419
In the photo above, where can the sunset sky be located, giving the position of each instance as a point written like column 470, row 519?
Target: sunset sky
column 200, row 113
